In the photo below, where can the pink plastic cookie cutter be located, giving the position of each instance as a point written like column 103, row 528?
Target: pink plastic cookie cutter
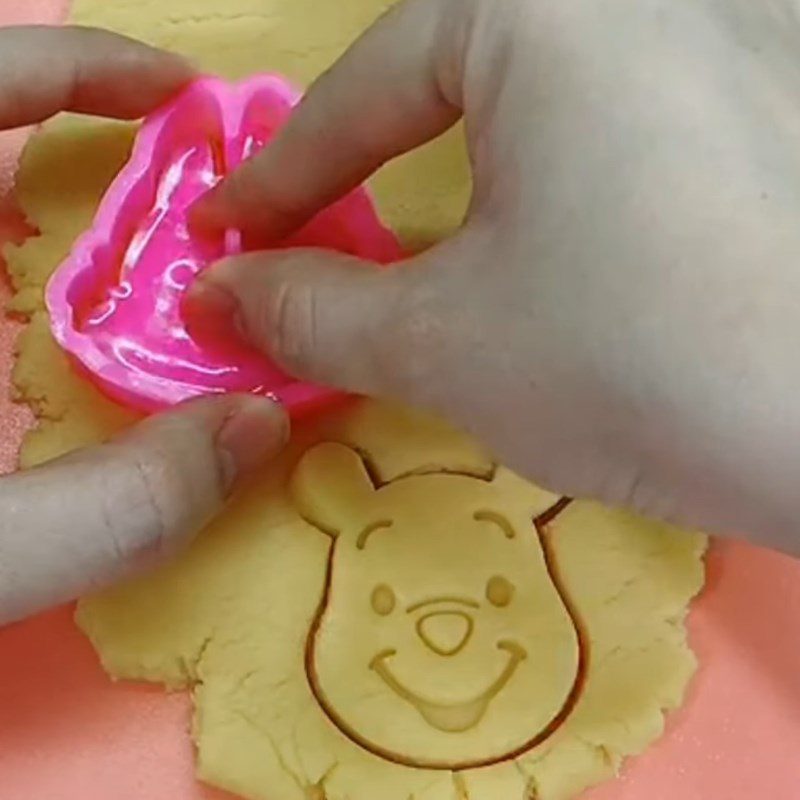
column 115, row 303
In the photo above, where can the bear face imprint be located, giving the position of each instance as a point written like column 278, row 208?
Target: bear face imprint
column 443, row 639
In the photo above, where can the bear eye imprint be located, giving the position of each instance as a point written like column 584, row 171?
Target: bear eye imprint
column 496, row 519
column 361, row 542
column 499, row 591
column 383, row 600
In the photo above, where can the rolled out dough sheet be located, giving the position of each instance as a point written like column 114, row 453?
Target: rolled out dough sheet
column 384, row 620
column 528, row 672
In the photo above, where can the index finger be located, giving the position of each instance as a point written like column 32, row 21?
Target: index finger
column 78, row 523
column 50, row 69
column 396, row 88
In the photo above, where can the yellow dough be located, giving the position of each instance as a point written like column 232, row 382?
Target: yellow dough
column 378, row 615
column 440, row 618
column 390, row 627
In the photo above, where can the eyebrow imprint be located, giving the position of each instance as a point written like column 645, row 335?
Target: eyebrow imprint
column 361, row 542
column 497, row 519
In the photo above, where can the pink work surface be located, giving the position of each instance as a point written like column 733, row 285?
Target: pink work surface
column 68, row 733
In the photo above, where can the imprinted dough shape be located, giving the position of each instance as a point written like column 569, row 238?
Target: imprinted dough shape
column 232, row 619
column 442, row 613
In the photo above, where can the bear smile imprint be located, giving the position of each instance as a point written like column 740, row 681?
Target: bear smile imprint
column 452, row 717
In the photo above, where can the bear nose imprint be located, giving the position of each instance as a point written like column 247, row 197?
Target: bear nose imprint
column 445, row 632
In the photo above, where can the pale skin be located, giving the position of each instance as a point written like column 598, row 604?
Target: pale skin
column 617, row 317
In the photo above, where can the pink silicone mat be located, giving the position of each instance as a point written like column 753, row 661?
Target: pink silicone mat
column 67, row 733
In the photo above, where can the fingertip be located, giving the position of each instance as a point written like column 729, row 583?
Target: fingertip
column 172, row 67
column 119, row 76
column 244, row 430
column 176, row 71
column 159, row 76
column 221, row 209
column 212, row 313
column 206, row 216
column 181, row 66
column 209, row 295
column 256, row 430
column 241, row 202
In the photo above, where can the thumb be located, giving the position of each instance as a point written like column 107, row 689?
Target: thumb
column 97, row 515
column 322, row 316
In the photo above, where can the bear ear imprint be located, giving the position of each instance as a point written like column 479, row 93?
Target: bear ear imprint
column 332, row 488
column 539, row 500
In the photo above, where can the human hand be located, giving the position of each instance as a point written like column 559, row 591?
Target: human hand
column 84, row 520
column 618, row 316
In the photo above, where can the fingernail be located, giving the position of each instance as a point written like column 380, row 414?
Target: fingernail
column 203, row 215
column 212, row 312
column 255, row 432
column 211, row 297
